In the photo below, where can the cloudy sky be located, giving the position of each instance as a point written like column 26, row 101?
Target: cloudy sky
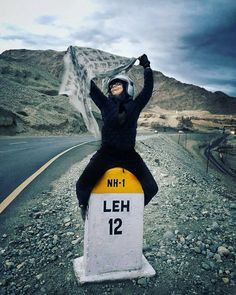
column 193, row 41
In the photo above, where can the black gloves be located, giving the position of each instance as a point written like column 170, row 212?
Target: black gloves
column 143, row 61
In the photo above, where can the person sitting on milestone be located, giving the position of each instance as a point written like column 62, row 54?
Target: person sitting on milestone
column 120, row 113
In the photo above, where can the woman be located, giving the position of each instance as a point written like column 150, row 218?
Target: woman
column 120, row 113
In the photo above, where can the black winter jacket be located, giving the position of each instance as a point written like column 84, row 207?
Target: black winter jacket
column 120, row 116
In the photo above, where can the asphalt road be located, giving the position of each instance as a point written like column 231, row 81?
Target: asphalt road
column 21, row 157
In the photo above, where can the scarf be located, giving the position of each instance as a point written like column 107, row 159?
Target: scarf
column 81, row 65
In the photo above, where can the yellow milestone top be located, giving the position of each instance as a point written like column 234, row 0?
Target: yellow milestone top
column 118, row 180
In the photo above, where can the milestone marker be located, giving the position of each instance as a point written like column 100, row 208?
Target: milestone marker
column 113, row 235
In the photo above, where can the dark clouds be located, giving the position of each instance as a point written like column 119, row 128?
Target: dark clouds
column 95, row 35
column 215, row 43
column 210, row 50
column 33, row 39
column 194, row 40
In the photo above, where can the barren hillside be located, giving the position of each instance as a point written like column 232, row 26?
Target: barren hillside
column 30, row 104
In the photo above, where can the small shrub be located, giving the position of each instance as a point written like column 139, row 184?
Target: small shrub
column 185, row 123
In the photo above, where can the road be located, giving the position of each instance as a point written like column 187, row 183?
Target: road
column 21, row 157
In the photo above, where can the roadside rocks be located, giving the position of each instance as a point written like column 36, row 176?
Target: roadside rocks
column 189, row 234
column 168, row 235
column 232, row 206
column 143, row 282
column 223, row 251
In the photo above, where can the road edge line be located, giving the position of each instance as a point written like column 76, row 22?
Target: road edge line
column 10, row 198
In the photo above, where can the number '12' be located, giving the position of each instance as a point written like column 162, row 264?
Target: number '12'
column 115, row 224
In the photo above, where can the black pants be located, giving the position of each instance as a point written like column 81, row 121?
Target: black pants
column 107, row 158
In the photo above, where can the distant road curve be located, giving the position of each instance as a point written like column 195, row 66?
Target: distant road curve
column 22, row 157
column 211, row 158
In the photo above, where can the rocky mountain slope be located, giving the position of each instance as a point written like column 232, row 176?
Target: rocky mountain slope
column 29, row 83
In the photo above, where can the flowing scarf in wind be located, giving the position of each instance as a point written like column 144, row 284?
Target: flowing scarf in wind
column 83, row 64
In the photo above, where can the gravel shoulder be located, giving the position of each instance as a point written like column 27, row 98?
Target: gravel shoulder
column 189, row 233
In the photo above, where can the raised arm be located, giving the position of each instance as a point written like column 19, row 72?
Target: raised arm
column 146, row 93
column 96, row 94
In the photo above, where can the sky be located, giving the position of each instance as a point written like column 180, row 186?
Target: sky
column 193, row 41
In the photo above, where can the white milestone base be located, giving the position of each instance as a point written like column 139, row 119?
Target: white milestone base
column 113, row 239
column 113, row 232
column 145, row 271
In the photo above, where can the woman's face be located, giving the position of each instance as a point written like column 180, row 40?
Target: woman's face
column 116, row 88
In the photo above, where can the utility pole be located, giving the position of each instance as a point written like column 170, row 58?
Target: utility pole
column 180, row 132
column 208, row 152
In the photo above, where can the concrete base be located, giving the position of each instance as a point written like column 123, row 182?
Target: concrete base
column 146, row 271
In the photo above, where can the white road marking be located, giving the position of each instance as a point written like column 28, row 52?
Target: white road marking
column 20, row 142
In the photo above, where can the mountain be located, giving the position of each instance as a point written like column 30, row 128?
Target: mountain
column 30, row 104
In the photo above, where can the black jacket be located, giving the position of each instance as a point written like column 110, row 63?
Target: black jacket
column 120, row 116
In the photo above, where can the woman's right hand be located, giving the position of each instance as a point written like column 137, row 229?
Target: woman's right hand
column 143, row 61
